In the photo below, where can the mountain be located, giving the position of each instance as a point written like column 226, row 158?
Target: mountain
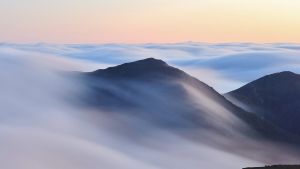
column 152, row 90
column 146, row 97
column 275, row 98
column 166, row 97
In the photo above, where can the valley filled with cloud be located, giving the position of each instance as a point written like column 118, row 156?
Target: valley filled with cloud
column 152, row 124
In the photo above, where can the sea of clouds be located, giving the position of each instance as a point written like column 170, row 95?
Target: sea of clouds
column 40, row 128
column 223, row 66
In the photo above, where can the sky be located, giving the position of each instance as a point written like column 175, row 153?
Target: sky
column 156, row 21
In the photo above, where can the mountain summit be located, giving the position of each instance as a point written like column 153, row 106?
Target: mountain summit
column 149, row 68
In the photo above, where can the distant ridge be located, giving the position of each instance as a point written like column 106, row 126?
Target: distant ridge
column 275, row 97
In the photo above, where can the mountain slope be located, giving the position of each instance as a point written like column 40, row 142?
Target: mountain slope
column 275, row 97
column 167, row 97
column 153, row 90
column 148, row 96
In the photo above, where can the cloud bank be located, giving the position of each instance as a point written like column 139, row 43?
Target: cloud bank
column 228, row 64
column 40, row 128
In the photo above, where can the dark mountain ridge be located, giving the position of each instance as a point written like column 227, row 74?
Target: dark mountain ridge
column 274, row 97
column 149, row 68
column 152, row 90
column 147, row 84
column 149, row 96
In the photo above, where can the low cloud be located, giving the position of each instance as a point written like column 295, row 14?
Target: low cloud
column 42, row 128
column 234, row 63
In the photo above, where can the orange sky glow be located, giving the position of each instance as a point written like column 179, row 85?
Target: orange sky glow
column 157, row 21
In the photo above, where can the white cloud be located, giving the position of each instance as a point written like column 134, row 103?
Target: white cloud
column 233, row 63
column 41, row 129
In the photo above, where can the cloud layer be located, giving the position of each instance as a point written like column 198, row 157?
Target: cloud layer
column 39, row 124
column 40, row 128
column 223, row 66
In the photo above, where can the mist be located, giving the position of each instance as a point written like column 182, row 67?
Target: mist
column 43, row 126
column 224, row 66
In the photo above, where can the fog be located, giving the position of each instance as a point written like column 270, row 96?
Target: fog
column 42, row 127
column 224, row 66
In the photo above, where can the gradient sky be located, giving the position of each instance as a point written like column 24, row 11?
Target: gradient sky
column 140, row 21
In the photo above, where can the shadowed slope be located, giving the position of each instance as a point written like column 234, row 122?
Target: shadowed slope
column 275, row 97
column 152, row 90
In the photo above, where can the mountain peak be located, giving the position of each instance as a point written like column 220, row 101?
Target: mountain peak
column 286, row 72
column 283, row 74
column 281, row 79
column 275, row 81
column 150, row 61
column 146, row 68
